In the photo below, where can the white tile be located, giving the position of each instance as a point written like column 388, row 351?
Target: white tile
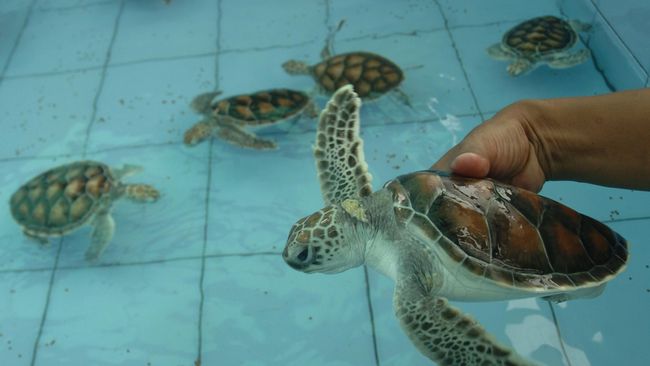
column 495, row 89
column 258, row 311
column 620, row 66
column 462, row 13
column 22, row 300
column 128, row 315
column 615, row 323
column 55, row 4
column 12, row 22
column 377, row 18
column 138, row 106
column 260, row 23
column 47, row 115
column 152, row 29
column 64, row 40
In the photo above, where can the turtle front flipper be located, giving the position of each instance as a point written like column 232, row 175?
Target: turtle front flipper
column 341, row 166
column 202, row 103
column 569, row 59
column 235, row 135
column 199, row 132
column 441, row 332
column 102, row 233
column 520, row 66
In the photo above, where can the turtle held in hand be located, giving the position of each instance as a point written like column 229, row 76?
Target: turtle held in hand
column 227, row 118
column 546, row 39
column 372, row 75
column 63, row 199
column 440, row 237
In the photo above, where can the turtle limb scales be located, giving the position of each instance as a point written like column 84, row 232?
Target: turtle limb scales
column 102, row 233
column 235, row 135
column 569, row 59
column 340, row 163
column 126, row 170
column 202, row 103
column 440, row 331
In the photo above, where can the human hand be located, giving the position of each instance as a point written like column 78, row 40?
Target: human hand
column 505, row 148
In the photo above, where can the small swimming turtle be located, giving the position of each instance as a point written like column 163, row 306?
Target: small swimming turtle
column 63, row 199
column 371, row 75
column 546, row 39
column 445, row 237
column 226, row 118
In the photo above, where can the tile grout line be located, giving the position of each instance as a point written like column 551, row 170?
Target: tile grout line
column 47, row 304
column 102, row 78
column 559, row 334
column 460, row 61
column 142, row 263
column 372, row 317
column 246, row 50
column 587, row 44
column 208, row 189
column 174, row 143
column 14, row 47
column 627, row 48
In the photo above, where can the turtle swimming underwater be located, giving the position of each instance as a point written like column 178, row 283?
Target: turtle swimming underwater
column 546, row 39
column 65, row 198
column 371, row 75
column 226, row 118
column 440, row 237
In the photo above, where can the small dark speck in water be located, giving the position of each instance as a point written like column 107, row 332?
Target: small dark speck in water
column 310, row 318
column 66, row 289
column 647, row 266
column 266, row 292
column 12, row 291
column 647, row 290
column 148, row 363
column 128, row 350
column 50, row 343
column 197, row 362
column 630, row 278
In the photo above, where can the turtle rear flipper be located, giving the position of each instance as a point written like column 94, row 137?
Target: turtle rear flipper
column 441, row 332
column 103, row 228
column 565, row 60
column 235, row 135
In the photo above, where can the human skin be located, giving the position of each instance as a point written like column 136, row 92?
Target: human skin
column 603, row 139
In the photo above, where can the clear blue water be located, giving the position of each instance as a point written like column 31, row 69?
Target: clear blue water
column 198, row 276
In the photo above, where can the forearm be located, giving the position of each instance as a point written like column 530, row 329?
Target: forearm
column 600, row 139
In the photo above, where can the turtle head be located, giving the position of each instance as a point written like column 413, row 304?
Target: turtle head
column 197, row 133
column 295, row 67
column 327, row 241
column 142, row 193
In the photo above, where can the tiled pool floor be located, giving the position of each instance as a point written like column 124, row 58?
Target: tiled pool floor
column 198, row 276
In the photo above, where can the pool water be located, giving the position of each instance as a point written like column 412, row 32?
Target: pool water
column 197, row 278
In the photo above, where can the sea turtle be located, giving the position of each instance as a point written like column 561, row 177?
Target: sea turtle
column 65, row 198
column 226, row 118
column 440, row 237
column 372, row 75
column 545, row 39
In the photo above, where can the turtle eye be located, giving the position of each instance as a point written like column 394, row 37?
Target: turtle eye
column 302, row 256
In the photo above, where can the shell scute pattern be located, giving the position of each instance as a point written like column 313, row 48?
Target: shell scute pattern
column 509, row 235
column 60, row 200
column 263, row 107
column 540, row 35
column 370, row 74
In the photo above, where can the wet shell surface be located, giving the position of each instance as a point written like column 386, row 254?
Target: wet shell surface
column 61, row 199
column 540, row 36
column 508, row 235
column 370, row 74
column 262, row 107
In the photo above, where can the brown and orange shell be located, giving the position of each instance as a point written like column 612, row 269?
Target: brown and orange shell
column 370, row 74
column 61, row 199
column 540, row 36
column 262, row 107
column 509, row 235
